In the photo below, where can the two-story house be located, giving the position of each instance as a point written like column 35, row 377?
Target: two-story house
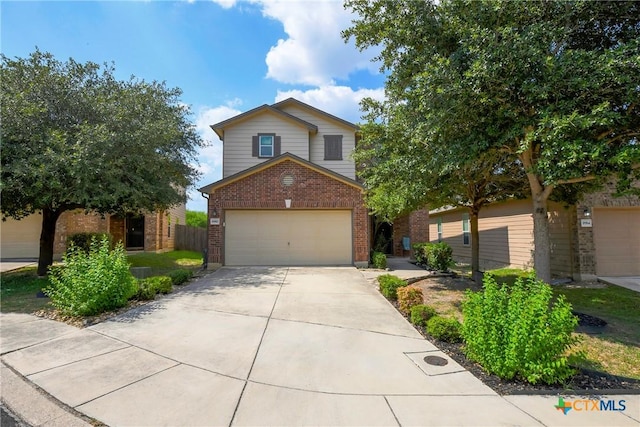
column 288, row 194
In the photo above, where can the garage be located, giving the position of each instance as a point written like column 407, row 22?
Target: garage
column 288, row 237
column 616, row 233
column 21, row 239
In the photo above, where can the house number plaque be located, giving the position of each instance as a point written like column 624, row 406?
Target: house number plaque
column 214, row 221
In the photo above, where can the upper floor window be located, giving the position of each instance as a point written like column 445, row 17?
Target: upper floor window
column 333, row 147
column 265, row 145
column 466, row 231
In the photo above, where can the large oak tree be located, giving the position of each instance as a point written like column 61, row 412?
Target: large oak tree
column 552, row 84
column 75, row 137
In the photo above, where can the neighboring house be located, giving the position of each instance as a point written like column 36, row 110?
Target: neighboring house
column 288, row 193
column 598, row 236
column 151, row 232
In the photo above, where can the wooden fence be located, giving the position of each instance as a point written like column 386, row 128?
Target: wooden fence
column 191, row 238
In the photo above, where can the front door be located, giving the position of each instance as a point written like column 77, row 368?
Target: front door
column 135, row 232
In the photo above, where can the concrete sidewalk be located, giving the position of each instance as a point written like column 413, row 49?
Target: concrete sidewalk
column 259, row 346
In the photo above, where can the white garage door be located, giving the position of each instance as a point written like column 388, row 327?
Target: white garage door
column 616, row 234
column 21, row 239
column 288, row 237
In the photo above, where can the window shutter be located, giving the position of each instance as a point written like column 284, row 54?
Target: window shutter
column 277, row 144
column 333, row 147
column 254, row 146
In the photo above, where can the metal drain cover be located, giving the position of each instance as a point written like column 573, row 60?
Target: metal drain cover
column 436, row 360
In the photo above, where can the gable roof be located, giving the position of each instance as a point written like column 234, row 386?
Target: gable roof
column 219, row 128
column 207, row 189
column 314, row 110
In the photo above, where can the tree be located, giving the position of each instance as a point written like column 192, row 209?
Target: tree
column 75, row 137
column 402, row 177
column 197, row 219
column 552, row 84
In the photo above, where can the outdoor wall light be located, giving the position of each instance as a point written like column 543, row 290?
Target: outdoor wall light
column 214, row 213
column 586, row 212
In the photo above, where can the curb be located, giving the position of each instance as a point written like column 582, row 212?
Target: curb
column 33, row 406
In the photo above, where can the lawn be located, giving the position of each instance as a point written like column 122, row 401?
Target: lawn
column 616, row 350
column 20, row 288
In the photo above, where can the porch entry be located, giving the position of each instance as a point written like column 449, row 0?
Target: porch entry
column 135, row 232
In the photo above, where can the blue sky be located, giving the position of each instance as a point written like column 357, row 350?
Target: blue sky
column 227, row 56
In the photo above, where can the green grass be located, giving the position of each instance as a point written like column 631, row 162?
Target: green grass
column 163, row 262
column 508, row 275
column 19, row 290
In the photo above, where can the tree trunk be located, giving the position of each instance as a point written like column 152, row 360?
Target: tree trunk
column 476, row 274
column 542, row 244
column 47, row 237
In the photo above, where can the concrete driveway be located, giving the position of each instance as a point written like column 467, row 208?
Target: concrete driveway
column 262, row 346
column 14, row 264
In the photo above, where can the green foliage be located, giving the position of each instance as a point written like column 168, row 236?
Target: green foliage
column 409, row 296
column 83, row 240
column 519, row 330
column 145, row 291
column 546, row 90
column 389, row 285
column 196, row 219
column 436, row 256
column 91, row 283
column 421, row 313
column 379, row 260
column 179, row 277
column 73, row 136
column 161, row 284
column 444, row 329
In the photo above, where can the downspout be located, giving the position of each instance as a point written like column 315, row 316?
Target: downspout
column 205, row 252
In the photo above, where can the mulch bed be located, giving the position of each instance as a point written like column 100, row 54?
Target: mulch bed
column 583, row 382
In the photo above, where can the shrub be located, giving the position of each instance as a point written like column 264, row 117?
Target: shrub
column 519, row 330
column 145, row 292
column 419, row 253
column 409, row 296
column 83, row 240
column 379, row 260
column 389, row 285
column 161, row 284
column 439, row 256
column 178, row 277
column 91, row 282
column 421, row 313
column 444, row 329
column 436, row 256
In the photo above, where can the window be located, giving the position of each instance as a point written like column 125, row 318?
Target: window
column 266, row 146
column 466, row 233
column 439, row 230
column 333, row 147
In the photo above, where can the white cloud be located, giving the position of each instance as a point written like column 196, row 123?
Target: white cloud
column 314, row 52
column 210, row 156
column 341, row 101
column 225, row 4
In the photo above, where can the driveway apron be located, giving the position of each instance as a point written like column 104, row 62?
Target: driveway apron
column 255, row 346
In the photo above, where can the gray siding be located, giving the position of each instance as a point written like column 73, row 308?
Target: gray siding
column 346, row 166
column 237, row 142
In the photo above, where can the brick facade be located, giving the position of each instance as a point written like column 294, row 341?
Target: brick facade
column 415, row 226
column 159, row 233
column 266, row 189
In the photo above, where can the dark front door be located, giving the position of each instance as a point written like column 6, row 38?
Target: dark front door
column 135, row 232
